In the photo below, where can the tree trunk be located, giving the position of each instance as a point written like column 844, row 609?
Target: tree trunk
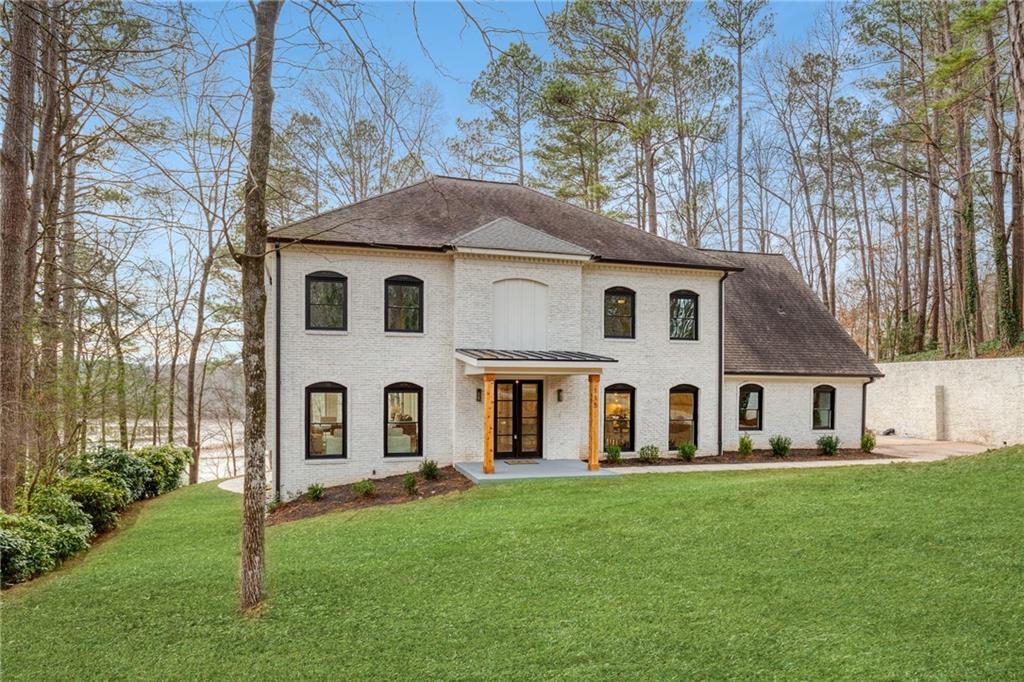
column 1017, row 236
column 69, row 363
column 739, row 143
column 254, row 304
column 14, row 214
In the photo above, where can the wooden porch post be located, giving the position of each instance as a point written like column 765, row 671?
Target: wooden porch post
column 488, row 423
column 595, row 381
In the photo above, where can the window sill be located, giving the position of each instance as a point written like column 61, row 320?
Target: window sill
column 405, row 334
column 684, row 340
column 402, row 458
column 327, row 332
column 619, row 339
column 326, row 459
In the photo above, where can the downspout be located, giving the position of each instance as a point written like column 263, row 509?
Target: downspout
column 864, row 406
column 277, row 375
column 721, row 351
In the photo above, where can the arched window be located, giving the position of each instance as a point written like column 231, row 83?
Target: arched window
column 619, row 313
column 403, row 420
column 751, row 407
column 682, row 415
column 325, row 421
column 619, row 416
column 403, row 304
column 326, row 301
column 682, row 315
column 824, row 407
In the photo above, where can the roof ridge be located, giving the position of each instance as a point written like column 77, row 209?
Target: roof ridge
column 742, row 253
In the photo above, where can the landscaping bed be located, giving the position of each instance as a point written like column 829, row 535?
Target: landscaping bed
column 390, row 490
column 757, row 456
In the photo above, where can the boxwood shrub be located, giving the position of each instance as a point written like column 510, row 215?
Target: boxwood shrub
column 101, row 496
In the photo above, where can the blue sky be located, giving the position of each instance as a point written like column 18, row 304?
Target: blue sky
column 457, row 53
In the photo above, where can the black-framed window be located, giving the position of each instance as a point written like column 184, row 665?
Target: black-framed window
column 326, row 435
column 824, row 409
column 403, row 420
column 682, row 313
column 619, row 313
column 751, row 407
column 682, row 415
column 403, row 304
column 619, row 416
column 326, row 301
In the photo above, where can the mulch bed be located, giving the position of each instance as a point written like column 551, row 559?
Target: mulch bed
column 389, row 491
column 795, row 455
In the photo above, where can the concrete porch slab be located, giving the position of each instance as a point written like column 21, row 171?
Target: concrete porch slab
column 544, row 468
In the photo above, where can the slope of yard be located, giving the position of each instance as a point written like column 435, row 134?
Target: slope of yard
column 863, row 572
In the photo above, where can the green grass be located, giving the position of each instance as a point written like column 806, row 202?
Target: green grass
column 894, row 572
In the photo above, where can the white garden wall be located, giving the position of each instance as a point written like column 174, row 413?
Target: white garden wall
column 976, row 401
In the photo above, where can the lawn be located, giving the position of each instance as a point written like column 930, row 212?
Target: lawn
column 898, row 571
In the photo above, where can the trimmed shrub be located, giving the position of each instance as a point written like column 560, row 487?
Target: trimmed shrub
column 409, row 483
column 430, row 470
column 133, row 470
column 53, row 505
column 649, row 453
column 746, row 445
column 315, row 491
column 687, row 451
column 614, row 453
column 780, row 445
column 168, row 463
column 99, row 497
column 868, row 442
column 27, row 547
column 364, row 488
column 828, row 445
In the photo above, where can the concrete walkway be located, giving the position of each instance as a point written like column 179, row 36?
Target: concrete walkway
column 232, row 485
column 543, row 468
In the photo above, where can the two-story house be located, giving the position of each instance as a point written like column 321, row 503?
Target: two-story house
column 461, row 320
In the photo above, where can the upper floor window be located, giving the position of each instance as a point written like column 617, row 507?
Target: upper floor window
column 619, row 416
column 824, row 407
column 403, row 304
column 682, row 415
column 751, row 407
column 619, row 313
column 683, row 315
column 403, row 420
column 326, row 301
column 325, row 420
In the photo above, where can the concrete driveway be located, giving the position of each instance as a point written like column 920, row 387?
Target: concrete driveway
column 920, row 450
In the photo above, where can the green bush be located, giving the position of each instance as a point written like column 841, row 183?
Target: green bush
column 364, row 488
column 780, row 445
column 100, row 497
column 828, row 445
column 315, row 491
column 746, row 445
column 430, row 470
column 27, row 547
column 614, row 453
column 168, row 463
column 868, row 442
column 135, row 471
column 409, row 483
column 53, row 505
column 687, row 451
column 649, row 453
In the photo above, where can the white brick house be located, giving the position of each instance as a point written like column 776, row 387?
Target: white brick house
column 459, row 320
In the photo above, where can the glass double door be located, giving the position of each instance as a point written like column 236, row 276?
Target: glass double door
column 517, row 418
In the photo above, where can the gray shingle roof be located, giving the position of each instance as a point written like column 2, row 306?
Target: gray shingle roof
column 774, row 324
column 509, row 235
column 434, row 213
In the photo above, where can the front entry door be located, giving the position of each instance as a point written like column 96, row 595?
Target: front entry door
column 517, row 418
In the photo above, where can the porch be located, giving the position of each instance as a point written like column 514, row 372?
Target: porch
column 518, row 470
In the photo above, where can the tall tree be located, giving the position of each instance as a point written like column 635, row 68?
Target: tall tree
column 14, row 216
column 254, row 305
column 741, row 26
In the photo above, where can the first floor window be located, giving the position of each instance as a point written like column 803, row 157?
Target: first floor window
column 403, row 420
column 325, row 420
column 618, row 416
column 824, row 407
column 751, row 407
column 326, row 301
column 403, row 304
column 682, row 415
